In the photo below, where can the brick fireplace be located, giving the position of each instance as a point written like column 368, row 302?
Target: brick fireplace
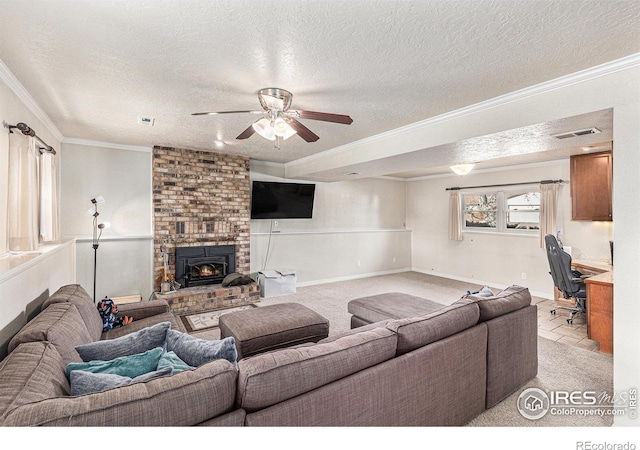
column 201, row 199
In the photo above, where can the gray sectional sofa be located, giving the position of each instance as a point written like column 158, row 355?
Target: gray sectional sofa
column 440, row 368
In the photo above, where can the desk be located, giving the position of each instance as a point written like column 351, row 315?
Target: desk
column 600, row 310
column 599, row 301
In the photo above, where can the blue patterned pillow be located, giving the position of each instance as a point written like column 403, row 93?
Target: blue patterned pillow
column 196, row 352
column 130, row 344
column 127, row 366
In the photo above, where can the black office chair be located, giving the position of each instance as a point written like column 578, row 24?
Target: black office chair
column 569, row 282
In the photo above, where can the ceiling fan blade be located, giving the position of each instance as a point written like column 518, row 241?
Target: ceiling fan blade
column 247, row 133
column 326, row 117
column 303, row 131
column 213, row 113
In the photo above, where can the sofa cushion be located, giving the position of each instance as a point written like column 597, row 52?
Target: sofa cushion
column 33, row 372
column 78, row 296
column 391, row 305
column 142, row 310
column 195, row 351
column 510, row 299
column 141, row 324
column 417, row 332
column 59, row 324
column 187, row 398
column 129, row 344
column 270, row 378
column 126, row 366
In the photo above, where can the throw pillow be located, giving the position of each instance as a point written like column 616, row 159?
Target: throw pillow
column 232, row 277
column 130, row 344
column 151, row 375
column 126, row 366
column 196, row 352
column 171, row 360
column 83, row 382
column 236, row 279
column 484, row 292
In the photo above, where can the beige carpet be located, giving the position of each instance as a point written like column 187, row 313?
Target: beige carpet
column 561, row 367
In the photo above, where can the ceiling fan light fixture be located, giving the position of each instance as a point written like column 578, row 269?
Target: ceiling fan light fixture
column 283, row 129
column 263, row 128
column 462, row 169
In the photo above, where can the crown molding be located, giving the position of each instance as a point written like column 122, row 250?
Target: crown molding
column 90, row 143
column 260, row 162
column 19, row 90
column 547, row 86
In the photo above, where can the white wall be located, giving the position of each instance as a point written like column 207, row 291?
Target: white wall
column 357, row 229
column 24, row 287
column 123, row 177
column 496, row 259
column 13, row 110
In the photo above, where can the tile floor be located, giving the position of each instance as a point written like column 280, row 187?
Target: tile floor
column 556, row 328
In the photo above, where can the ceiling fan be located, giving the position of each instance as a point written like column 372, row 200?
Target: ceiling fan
column 280, row 122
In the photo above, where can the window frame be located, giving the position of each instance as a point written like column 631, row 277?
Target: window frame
column 501, row 211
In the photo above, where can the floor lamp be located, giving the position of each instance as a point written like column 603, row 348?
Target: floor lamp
column 97, row 233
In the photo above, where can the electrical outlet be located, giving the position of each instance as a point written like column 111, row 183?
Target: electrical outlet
column 524, row 276
column 395, row 259
column 275, row 223
column 358, row 263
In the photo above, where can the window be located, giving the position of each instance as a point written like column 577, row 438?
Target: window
column 480, row 210
column 502, row 211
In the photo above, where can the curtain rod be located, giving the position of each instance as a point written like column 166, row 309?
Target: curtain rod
column 508, row 184
column 27, row 131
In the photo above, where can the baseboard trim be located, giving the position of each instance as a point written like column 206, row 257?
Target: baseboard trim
column 476, row 281
column 351, row 277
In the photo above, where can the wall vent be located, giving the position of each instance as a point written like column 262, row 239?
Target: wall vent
column 576, row 133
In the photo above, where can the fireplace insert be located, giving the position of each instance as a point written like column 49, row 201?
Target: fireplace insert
column 209, row 264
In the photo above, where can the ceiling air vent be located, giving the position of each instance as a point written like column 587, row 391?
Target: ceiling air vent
column 149, row 121
column 577, row 133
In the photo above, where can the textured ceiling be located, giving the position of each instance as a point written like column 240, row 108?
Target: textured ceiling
column 95, row 66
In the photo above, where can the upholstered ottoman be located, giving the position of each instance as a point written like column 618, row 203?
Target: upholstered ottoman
column 392, row 305
column 270, row 327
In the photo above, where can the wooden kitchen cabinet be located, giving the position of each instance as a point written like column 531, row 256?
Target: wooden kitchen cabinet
column 591, row 186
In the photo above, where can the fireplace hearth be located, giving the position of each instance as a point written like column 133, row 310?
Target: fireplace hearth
column 203, row 265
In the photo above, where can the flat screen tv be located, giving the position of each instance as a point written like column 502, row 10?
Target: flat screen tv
column 272, row 200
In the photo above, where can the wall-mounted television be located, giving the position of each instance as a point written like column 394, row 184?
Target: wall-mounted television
column 273, row 200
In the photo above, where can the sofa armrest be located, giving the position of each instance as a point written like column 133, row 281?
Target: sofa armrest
column 187, row 398
column 142, row 310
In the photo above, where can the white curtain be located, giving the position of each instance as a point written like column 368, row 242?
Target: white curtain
column 22, row 217
column 49, row 230
column 548, row 209
column 455, row 218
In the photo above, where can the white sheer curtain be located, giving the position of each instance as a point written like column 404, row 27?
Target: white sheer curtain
column 455, row 219
column 49, row 230
column 22, row 217
column 548, row 209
